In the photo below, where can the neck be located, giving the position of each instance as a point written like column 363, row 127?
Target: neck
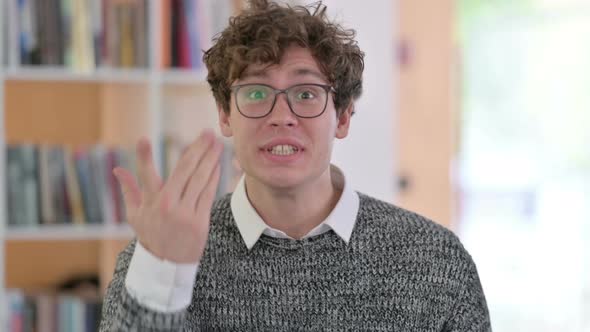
column 295, row 211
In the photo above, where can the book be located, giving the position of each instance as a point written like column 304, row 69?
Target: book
column 88, row 187
column 14, row 195
column 188, row 28
column 81, row 35
column 16, row 307
column 46, row 312
column 166, row 34
column 49, row 184
column 66, row 28
column 125, row 18
column 27, row 36
column 57, row 184
column 48, row 214
column 30, row 188
column 73, row 188
column 53, row 310
column 141, row 32
column 10, row 22
column 22, row 184
column 52, row 184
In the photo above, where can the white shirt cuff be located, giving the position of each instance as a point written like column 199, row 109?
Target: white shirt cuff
column 159, row 284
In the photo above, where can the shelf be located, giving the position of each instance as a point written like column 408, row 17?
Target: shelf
column 69, row 232
column 184, row 76
column 63, row 74
column 168, row 76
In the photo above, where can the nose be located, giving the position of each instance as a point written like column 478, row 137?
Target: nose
column 281, row 114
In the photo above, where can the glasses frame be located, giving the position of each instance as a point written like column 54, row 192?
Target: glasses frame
column 328, row 88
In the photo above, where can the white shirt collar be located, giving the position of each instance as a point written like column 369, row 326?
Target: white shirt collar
column 341, row 220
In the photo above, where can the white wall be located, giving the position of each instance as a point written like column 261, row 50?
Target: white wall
column 367, row 154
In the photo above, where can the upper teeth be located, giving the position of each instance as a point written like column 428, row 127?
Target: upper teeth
column 283, row 149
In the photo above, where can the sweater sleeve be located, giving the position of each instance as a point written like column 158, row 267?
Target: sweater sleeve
column 121, row 312
column 470, row 311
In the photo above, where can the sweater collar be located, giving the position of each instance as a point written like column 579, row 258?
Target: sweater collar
column 341, row 220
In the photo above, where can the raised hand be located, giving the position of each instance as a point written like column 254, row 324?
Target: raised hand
column 171, row 219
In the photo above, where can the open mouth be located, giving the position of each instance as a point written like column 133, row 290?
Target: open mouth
column 283, row 150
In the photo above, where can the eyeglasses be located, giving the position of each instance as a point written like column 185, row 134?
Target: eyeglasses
column 258, row 100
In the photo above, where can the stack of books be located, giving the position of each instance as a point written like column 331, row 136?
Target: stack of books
column 188, row 27
column 78, row 34
column 61, row 185
column 83, row 35
column 72, row 307
column 49, row 184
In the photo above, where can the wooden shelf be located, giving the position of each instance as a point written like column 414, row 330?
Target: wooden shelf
column 68, row 232
column 44, row 73
column 57, row 261
column 106, row 75
column 184, row 76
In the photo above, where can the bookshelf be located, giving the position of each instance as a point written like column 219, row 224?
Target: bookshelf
column 69, row 232
column 59, row 74
column 74, row 106
column 3, row 301
column 117, row 106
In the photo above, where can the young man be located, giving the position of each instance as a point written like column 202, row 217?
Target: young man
column 294, row 247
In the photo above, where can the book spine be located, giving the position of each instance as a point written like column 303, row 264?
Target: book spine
column 184, row 41
column 175, row 33
column 66, row 23
column 83, row 172
column 29, row 155
column 12, row 185
column 73, row 188
column 126, row 47
column 140, row 34
column 192, row 25
column 165, row 12
column 57, row 184
column 47, row 208
column 96, row 24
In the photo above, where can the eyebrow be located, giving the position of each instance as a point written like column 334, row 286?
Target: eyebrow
column 263, row 73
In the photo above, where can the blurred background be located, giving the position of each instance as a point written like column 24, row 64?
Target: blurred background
column 523, row 168
column 474, row 114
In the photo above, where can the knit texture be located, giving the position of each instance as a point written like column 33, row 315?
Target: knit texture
column 399, row 272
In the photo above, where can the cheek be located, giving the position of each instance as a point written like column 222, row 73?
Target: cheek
column 328, row 128
column 244, row 142
column 324, row 137
column 240, row 154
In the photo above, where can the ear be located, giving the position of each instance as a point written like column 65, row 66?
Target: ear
column 224, row 122
column 344, row 122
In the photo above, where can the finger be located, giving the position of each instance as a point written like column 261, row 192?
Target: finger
column 129, row 187
column 206, row 198
column 148, row 176
column 200, row 177
column 187, row 164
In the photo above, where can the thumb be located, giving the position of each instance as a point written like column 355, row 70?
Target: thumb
column 129, row 187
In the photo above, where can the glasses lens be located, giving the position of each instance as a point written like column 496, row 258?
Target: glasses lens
column 254, row 100
column 307, row 100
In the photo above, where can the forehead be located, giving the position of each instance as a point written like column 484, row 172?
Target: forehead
column 296, row 62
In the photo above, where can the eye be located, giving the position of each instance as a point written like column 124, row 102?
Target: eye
column 305, row 95
column 257, row 94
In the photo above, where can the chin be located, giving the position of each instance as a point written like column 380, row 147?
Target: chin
column 280, row 178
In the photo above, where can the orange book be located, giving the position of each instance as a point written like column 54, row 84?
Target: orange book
column 165, row 29
column 73, row 188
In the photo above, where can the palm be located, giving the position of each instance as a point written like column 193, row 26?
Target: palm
column 171, row 219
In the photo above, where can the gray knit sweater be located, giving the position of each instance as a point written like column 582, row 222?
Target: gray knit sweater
column 399, row 272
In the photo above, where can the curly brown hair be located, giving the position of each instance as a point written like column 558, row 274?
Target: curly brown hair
column 261, row 33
